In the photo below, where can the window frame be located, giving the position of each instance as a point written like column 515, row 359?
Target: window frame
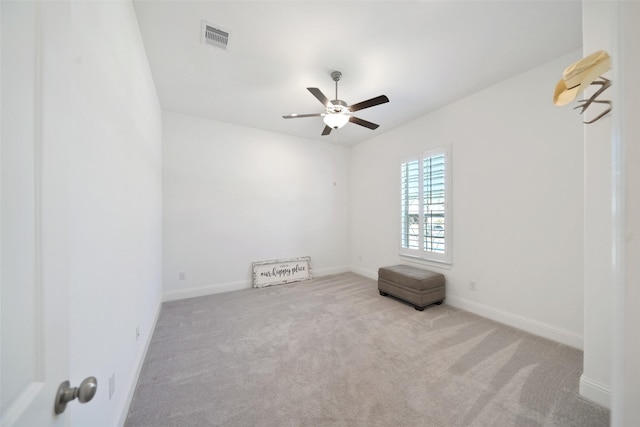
column 421, row 253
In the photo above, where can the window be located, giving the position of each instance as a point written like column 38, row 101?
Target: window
column 425, row 206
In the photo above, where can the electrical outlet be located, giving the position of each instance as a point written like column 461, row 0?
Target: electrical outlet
column 137, row 332
column 472, row 286
column 112, row 385
column 182, row 275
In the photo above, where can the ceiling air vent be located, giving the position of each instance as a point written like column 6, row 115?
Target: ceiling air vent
column 214, row 36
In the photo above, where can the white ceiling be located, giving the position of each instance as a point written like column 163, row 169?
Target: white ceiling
column 421, row 54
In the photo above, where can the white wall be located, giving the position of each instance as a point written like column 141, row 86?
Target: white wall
column 233, row 195
column 595, row 382
column 114, row 172
column 517, row 202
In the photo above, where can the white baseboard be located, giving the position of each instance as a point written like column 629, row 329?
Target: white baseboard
column 533, row 326
column 364, row 272
column 205, row 290
column 595, row 391
column 319, row 272
column 139, row 363
column 235, row 286
column 526, row 324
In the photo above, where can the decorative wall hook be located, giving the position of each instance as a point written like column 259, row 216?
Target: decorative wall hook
column 585, row 103
column 580, row 75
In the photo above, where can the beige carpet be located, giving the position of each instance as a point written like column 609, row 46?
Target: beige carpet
column 333, row 352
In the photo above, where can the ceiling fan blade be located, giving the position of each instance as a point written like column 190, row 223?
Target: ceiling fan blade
column 369, row 103
column 316, row 92
column 363, row 123
column 297, row 116
column 327, row 130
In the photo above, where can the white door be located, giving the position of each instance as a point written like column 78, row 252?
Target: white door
column 34, row 299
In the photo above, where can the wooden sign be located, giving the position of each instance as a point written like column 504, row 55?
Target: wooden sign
column 278, row 272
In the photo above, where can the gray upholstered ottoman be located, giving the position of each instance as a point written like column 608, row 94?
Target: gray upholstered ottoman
column 413, row 285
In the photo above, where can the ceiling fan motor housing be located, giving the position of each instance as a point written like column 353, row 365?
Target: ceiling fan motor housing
column 338, row 106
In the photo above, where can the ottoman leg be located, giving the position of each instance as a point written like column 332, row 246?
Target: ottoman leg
column 419, row 308
column 384, row 294
column 439, row 302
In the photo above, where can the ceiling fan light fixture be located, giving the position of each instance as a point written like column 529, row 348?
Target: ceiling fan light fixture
column 335, row 120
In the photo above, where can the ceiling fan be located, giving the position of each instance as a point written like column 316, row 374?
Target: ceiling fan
column 337, row 112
